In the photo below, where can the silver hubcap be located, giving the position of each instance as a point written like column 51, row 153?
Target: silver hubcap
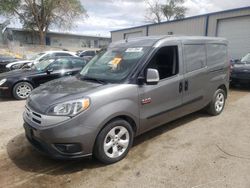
column 116, row 142
column 219, row 103
column 23, row 91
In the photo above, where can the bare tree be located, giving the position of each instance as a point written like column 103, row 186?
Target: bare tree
column 154, row 12
column 174, row 9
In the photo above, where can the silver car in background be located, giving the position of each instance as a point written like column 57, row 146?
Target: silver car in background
column 39, row 58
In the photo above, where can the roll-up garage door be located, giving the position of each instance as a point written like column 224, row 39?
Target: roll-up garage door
column 237, row 31
column 133, row 35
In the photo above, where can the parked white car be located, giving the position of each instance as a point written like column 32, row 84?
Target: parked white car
column 38, row 58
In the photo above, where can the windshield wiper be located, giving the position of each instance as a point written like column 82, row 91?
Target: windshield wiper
column 93, row 79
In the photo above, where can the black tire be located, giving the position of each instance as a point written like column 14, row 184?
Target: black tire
column 99, row 152
column 211, row 109
column 16, row 88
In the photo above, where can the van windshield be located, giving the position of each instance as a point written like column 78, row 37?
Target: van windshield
column 113, row 65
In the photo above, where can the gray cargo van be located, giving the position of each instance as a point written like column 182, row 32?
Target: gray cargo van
column 132, row 87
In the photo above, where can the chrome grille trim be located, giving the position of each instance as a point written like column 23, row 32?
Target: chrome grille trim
column 42, row 120
column 33, row 116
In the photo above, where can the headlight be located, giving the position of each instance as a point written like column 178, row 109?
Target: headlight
column 70, row 108
column 3, row 81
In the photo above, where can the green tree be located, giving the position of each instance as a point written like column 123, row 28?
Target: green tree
column 40, row 15
column 174, row 9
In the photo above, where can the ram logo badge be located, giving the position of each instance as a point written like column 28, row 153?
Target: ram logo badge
column 146, row 101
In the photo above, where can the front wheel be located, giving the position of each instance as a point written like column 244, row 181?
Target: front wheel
column 218, row 103
column 114, row 141
column 22, row 90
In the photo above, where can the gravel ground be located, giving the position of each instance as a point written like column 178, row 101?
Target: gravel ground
column 197, row 151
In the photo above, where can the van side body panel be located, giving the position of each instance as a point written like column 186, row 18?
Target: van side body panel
column 202, row 84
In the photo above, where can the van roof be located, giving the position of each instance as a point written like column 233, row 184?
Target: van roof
column 154, row 40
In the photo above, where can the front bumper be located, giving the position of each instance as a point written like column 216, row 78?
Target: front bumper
column 47, row 148
column 5, row 91
column 66, row 140
column 3, row 68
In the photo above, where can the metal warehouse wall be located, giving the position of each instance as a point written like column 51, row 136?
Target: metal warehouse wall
column 192, row 26
column 121, row 34
column 195, row 26
column 198, row 25
column 213, row 19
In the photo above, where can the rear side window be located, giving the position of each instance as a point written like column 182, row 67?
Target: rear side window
column 194, row 56
column 88, row 53
column 62, row 55
column 216, row 54
column 91, row 53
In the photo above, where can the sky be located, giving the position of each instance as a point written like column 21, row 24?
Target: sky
column 109, row 15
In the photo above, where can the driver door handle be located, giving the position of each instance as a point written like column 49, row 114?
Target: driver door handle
column 186, row 85
column 180, row 87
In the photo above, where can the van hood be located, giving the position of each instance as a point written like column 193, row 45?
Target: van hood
column 58, row 91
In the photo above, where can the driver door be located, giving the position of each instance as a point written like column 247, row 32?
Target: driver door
column 161, row 103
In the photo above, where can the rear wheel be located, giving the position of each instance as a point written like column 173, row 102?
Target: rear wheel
column 218, row 103
column 114, row 141
column 22, row 90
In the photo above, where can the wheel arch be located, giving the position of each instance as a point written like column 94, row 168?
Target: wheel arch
column 127, row 118
column 224, row 88
column 19, row 81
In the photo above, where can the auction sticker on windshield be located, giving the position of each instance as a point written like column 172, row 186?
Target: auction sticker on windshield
column 134, row 50
column 116, row 61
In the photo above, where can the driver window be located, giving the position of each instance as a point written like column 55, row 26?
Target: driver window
column 166, row 62
column 61, row 64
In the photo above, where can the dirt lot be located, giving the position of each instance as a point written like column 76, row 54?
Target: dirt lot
column 196, row 151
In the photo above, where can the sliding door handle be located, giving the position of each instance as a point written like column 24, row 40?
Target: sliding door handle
column 180, row 87
column 186, row 85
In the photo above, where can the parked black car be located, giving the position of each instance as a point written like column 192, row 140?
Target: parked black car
column 20, row 83
column 4, row 60
column 240, row 71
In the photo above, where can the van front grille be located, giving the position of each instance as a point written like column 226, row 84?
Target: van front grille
column 33, row 116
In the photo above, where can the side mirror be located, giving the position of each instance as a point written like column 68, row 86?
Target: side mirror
column 49, row 70
column 152, row 77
